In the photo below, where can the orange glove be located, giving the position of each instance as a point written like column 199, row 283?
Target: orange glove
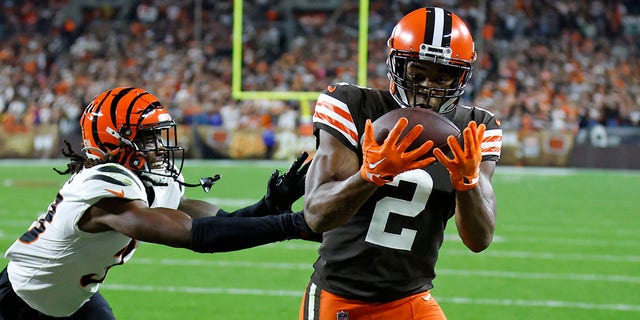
column 381, row 163
column 464, row 168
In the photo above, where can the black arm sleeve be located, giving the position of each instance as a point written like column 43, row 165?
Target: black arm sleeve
column 223, row 234
column 258, row 209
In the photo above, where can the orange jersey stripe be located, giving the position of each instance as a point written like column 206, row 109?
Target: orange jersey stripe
column 492, row 139
column 492, row 142
column 346, row 115
column 335, row 113
column 337, row 125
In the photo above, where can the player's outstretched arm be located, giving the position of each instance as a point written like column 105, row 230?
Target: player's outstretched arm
column 176, row 229
column 282, row 191
column 476, row 211
column 471, row 177
column 198, row 208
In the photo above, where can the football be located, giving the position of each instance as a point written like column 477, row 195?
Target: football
column 435, row 127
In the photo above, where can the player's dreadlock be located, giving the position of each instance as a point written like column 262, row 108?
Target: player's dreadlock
column 77, row 162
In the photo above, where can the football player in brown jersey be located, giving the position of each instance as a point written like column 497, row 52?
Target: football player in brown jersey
column 381, row 237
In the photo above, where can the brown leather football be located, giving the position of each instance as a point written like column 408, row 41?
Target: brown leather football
column 436, row 127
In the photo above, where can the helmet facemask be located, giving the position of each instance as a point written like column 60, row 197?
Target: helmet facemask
column 411, row 91
column 155, row 151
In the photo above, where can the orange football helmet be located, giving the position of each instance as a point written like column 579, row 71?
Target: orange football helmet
column 131, row 126
column 430, row 36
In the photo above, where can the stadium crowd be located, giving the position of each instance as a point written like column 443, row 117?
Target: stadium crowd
column 542, row 64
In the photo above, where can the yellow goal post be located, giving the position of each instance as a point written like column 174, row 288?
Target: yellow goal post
column 304, row 97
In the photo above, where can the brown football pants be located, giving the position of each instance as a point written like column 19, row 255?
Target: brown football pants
column 322, row 305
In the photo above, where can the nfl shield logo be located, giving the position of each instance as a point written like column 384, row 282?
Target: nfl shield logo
column 342, row 315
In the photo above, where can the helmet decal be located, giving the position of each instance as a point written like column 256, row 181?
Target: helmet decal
column 437, row 28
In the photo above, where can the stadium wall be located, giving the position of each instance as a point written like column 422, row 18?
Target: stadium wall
column 598, row 147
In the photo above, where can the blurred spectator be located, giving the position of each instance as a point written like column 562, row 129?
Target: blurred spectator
column 556, row 65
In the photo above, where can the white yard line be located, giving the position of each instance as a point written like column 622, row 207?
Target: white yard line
column 456, row 272
column 298, row 294
column 541, row 303
column 547, row 255
column 511, row 254
column 201, row 290
column 532, row 228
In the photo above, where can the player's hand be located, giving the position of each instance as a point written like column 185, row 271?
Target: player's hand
column 284, row 190
column 464, row 168
column 381, row 163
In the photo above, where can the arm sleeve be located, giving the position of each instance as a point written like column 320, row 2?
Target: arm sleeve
column 223, row 234
column 258, row 209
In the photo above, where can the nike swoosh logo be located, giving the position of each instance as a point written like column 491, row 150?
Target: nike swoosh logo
column 427, row 297
column 118, row 194
column 375, row 164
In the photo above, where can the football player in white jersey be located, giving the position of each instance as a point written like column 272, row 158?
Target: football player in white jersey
column 129, row 188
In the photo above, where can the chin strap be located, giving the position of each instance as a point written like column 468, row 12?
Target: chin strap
column 205, row 182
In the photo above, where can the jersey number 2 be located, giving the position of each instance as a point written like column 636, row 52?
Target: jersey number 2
column 404, row 240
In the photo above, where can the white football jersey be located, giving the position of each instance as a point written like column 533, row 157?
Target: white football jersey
column 54, row 266
column 166, row 192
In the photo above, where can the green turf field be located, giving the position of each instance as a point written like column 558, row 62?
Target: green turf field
column 567, row 247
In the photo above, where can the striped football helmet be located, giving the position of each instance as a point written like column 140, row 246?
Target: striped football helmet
column 130, row 126
column 434, row 38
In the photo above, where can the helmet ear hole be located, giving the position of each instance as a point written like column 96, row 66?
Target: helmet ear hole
column 125, row 132
column 136, row 162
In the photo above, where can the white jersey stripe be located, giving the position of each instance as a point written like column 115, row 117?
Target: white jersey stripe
column 491, row 153
column 325, row 106
column 325, row 100
column 487, row 145
column 492, row 132
column 492, row 142
column 348, row 137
